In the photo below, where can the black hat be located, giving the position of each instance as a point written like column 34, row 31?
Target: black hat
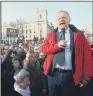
column 21, row 55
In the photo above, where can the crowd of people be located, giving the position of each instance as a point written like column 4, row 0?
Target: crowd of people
column 57, row 67
column 22, row 72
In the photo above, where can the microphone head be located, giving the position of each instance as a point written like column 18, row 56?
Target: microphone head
column 63, row 29
column 63, row 33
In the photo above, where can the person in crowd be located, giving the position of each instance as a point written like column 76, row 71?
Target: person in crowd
column 41, row 59
column 32, row 65
column 22, row 82
column 44, row 79
column 11, row 63
column 7, row 78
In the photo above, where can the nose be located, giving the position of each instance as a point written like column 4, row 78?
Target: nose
column 62, row 18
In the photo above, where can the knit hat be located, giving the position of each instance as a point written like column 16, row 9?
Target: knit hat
column 21, row 75
column 21, row 55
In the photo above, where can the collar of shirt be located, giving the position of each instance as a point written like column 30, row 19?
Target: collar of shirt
column 23, row 92
column 59, row 30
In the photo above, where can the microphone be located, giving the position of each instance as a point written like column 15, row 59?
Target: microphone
column 63, row 33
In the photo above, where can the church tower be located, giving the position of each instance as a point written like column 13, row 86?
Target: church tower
column 42, row 15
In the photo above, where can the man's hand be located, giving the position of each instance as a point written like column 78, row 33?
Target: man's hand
column 26, row 61
column 81, row 85
column 62, row 44
column 25, row 64
column 84, row 83
column 28, row 55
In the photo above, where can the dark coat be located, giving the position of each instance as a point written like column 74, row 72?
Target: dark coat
column 7, row 72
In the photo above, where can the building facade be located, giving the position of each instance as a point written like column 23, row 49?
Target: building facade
column 37, row 29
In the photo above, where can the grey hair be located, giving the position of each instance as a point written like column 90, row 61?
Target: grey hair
column 64, row 12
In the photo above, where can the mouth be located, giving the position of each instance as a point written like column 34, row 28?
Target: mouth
column 63, row 23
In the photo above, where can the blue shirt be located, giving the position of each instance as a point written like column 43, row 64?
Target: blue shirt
column 68, row 53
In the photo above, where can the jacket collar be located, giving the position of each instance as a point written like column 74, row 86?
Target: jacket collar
column 72, row 27
column 74, row 30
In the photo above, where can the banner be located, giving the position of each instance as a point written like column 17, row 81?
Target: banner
column 12, row 32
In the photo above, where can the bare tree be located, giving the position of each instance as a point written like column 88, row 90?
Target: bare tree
column 12, row 24
column 20, row 24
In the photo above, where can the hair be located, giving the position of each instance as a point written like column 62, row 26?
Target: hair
column 64, row 12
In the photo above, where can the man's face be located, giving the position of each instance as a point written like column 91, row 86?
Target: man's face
column 16, row 63
column 63, row 20
column 33, row 58
column 25, row 83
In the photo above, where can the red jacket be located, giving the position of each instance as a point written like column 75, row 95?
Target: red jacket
column 83, row 56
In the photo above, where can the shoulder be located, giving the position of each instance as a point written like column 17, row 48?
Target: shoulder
column 75, row 29
column 80, row 35
column 51, row 33
column 17, row 87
